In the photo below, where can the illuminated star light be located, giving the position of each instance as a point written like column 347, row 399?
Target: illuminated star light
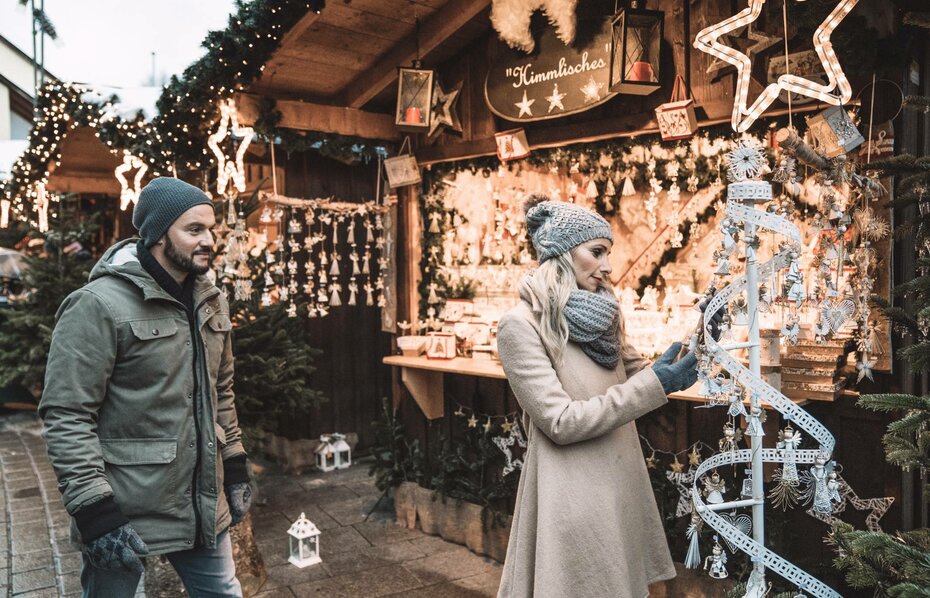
column 592, row 90
column 555, row 100
column 524, row 106
column 129, row 195
column 228, row 169
column 4, row 213
column 707, row 40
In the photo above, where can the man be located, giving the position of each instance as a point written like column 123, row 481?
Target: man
column 138, row 405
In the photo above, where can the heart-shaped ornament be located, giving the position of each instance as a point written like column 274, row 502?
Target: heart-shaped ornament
column 741, row 522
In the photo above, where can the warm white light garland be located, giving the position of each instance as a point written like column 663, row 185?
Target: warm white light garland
column 230, row 168
column 707, row 40
column 129, row 194
column 42, row 206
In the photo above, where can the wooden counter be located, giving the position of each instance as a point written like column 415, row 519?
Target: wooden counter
column 423, row 377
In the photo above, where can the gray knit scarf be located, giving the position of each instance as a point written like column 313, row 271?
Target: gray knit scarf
column 593, row 323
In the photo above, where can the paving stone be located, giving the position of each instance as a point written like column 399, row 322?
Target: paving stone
column 29, row 561
column 289, row 575
column 21, row 504
column 69, row 563
column 379, row 582
column 32, row 543
column 352, row 562
column 33, row 580
column 328, row 494
column 71, row 582
column 276, row 593
column 385, row 532
column 350, row 511
column 341, row 539
column 433, row 544
column 28, row 516
column 364, row 488
column 22, row 474
column 274, row 552
column 42, row 593
column 396, row 552
column 322, row 588
column 313, row 512
column 449, row 565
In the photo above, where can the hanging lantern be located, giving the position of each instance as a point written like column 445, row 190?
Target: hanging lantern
column 636, row 50
column 414, row 98
column 304, row 543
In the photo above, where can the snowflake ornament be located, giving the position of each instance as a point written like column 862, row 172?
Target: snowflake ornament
column 744, row 162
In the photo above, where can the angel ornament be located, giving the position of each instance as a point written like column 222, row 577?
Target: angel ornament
column 716, row 561
column 735, row 399
column 791, row 328
column 353, row 290
column 714, row 488
column 788, row 442
column 335, row 300
column 754, row 422
column 369, row 293
column 740, row 310
column 723, row 264
column 822, row 496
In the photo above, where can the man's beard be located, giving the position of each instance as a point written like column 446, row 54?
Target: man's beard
column 185, row 262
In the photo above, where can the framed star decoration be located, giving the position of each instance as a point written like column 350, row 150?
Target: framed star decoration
column 230, row 168
column 836, row 91
column 129, row 193
column 443, row 110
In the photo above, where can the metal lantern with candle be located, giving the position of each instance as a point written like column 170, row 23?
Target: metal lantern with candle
column 636, row 50
column 304, row 543
column 414, row 98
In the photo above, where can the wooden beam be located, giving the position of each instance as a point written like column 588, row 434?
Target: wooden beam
column 306, row 116
column 94, row 182
column 299, row 29
column 624, row 126
column 436, row 29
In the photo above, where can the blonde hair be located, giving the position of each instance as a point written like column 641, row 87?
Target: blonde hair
column 551, row 284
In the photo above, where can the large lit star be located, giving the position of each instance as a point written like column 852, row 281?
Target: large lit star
column 707, row 40
column 129, row 194
column 226, row 168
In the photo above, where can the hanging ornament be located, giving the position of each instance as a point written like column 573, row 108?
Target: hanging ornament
column 130, row 194
column 353, row 289
column 628, row 187
column 335, row 300
column 41, row 204
column 716, row 561
column 714, row 488
column 434, row 218
column 369, row 294
column 334, row 268
column 693, row 556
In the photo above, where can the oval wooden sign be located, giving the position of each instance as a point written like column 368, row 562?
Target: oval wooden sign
column 556, row 80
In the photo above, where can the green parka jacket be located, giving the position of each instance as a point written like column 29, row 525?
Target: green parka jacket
column 119, row 406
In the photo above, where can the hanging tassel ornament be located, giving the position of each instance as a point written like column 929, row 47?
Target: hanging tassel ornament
column 334, row 268
column 693, row 557
column 628, row 187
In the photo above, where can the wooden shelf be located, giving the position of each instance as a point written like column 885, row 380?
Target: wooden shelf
column 459, row 365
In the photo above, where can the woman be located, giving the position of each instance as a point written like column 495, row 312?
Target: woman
column 586, row 523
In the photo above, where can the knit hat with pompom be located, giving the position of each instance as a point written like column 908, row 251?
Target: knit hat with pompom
column 555, row 227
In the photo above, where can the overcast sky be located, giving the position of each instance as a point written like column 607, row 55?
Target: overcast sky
column 110, row 42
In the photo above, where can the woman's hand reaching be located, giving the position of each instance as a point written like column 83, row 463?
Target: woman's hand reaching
column 675, row 375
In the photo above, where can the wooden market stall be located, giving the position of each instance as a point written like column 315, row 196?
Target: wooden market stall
column 337, row 73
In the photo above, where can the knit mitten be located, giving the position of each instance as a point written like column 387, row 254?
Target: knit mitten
column 239, row 497
column 675, row 375
column 117, row 550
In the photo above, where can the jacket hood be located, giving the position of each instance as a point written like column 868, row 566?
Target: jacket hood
column 120, row 260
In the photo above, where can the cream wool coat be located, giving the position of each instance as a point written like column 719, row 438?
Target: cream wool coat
column 586, row 523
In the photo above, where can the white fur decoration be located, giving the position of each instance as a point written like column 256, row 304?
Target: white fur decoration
column 511, row 19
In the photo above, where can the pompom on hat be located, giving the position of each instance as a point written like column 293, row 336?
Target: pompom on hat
column 556, row 227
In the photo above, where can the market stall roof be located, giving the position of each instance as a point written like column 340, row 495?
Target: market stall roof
column 335, row 71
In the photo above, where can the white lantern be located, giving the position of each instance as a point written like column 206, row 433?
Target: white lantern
column 333, row 452
column 304, row 539
column 343, row 451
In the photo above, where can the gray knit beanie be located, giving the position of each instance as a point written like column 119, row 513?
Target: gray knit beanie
column 160, row 203
column 555, row 227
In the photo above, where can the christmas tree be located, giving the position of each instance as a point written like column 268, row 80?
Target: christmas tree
column 898, row 564
column 26, row 324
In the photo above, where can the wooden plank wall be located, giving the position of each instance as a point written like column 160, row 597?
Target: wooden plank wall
column 349, row 371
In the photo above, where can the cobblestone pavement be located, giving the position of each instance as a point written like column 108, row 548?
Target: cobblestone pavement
column 364, row 556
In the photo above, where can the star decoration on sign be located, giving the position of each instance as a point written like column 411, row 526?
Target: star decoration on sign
column 592, row 90
column 524, row 106
column 555, row 100
column 227, row 168
column 129, row 194
column 443, row 109
column 707, row 40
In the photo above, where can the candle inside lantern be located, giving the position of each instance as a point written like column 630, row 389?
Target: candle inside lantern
column 413, row 115
column 641, row 71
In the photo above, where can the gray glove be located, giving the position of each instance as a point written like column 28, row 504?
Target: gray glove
column 239, row 497
column 117, row 550
column 714, row 320
column 675, row 375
